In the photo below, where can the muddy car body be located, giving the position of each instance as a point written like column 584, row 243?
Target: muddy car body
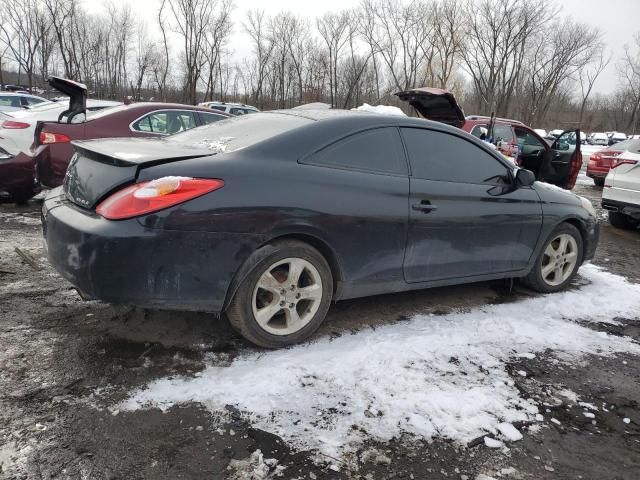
column 287, row 211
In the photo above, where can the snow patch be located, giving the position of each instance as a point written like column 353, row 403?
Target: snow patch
column 321, row 395
column 220, row 145
column 510, row 432
column 380, row 109
column 255, row 467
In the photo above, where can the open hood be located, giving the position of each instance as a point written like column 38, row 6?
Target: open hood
column 434, row 104
column 77, row 93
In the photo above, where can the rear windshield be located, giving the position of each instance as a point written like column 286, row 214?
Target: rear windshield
column 107, row 110
column 239, row 132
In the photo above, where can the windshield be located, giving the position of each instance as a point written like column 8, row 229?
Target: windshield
column 239, row 132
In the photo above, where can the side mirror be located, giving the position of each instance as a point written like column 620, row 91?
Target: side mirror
column 525, row 178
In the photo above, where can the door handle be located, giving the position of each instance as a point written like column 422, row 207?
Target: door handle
column 424, row 206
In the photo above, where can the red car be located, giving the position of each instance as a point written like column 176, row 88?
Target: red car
column 601, row 161
column 52, row 149
column 558, row 163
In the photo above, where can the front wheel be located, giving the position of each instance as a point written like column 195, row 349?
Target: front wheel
column 284, row 298
column 558, row 261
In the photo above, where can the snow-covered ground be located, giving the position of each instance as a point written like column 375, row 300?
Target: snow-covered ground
column 431, row 376
column 587, row 150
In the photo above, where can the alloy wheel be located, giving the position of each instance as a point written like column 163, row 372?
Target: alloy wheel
column 559, row 259
column 287, row 296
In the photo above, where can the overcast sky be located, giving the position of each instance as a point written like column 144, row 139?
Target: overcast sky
column 619, row 20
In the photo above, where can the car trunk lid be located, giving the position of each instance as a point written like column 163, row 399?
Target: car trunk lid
column 434, row 104
column 77, row 93
column 101, row 166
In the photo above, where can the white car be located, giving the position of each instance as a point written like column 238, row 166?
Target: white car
column 621, row 193
column 540, row 131
column 617, row 137
column 599, row 139
column 231, row 108
column 18, row 128
column 12, row 101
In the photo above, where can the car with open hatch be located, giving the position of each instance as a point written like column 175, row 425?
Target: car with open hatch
column 269, row 218
column 558, row 162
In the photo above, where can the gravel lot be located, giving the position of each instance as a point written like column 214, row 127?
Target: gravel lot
column 69, row 370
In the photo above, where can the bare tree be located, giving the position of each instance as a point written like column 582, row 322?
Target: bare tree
column 333, row 28
column 560, row 51
column 587, row 76
column 629, row 78
column 20, row 32
column 192, row 21
column 498, row 34
column 256, row 27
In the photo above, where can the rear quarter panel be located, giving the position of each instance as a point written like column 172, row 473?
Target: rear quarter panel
column 361, row 217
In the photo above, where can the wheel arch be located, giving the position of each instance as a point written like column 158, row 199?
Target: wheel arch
column 330, row 255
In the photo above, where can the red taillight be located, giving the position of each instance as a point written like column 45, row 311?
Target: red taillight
column 622, row 161
column 10, row 124
column 146, row 197
column 49, row 138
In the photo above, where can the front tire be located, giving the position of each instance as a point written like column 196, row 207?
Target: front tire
column 284, row 298
column 599, row 182
column 558, row 262
column 620, row 220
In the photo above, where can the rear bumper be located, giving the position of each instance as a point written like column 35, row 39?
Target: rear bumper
column 51, row 162
column 123, row 262
column 630, row 209
column 597, row 172
column 17, row 173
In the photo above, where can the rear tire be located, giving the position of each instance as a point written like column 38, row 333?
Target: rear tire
column 284, row 298
column 558, row 261
column 620, row 220
column 21, row 197
column 599, row 182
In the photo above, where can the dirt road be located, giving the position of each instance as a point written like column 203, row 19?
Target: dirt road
column 67, row 368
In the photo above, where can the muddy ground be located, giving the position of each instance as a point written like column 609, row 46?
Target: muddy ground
column 64, row 363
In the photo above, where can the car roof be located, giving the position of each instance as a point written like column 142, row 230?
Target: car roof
column 230, row 104
column 363, row 119
column 17, row 94
column 168, row 106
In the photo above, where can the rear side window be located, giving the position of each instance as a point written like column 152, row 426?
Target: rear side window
column 503, row 133
column 166, row 123
column 220, row 108
column 10, row 101
column 206, row 118
column 378, row 150
column 441, row 156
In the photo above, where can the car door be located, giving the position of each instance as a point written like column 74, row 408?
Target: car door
column 563, row 161
column 358, row 187
column 466, row 217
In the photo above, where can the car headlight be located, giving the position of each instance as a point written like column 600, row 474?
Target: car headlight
column 587, row 206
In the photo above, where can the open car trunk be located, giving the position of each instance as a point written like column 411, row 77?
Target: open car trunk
column 434, row 104
column 77, row 93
